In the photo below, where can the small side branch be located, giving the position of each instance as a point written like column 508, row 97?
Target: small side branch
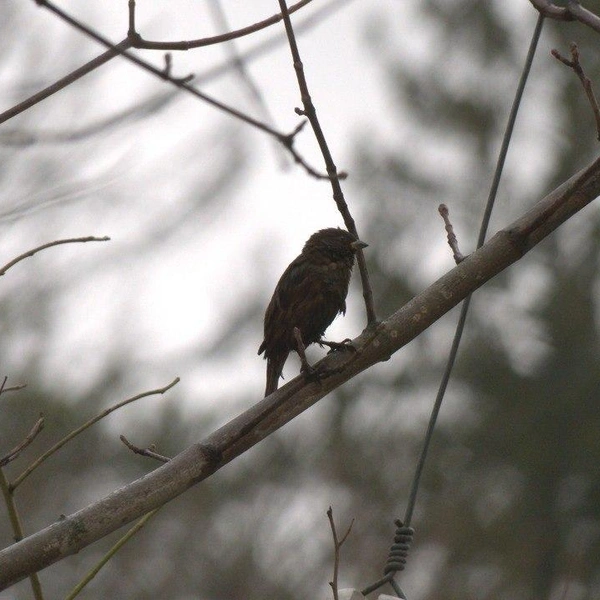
column 337, row 544
column 452, row 241
column 12, row 388
column 102, row 562
column 65, row 81
column 82, row 428
column 138, row 42
column 29, row 253
column 149, row 452
column 17, row 528
column 164, row 74
column 585, row 81
column 33, row 433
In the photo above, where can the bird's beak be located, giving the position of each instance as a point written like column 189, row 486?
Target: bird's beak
column 358, row 244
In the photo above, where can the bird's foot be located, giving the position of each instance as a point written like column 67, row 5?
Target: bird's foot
column 342, row 346
column 309, row 372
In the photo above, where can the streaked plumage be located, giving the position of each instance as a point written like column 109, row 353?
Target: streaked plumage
column 310, row 294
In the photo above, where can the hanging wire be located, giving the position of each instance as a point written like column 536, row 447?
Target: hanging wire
column 389, row 573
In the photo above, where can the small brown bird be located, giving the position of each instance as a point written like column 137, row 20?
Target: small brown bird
column 309, row 295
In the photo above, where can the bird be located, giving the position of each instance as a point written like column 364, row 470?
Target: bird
column 309, row 295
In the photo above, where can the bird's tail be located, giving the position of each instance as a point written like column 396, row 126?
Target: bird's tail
column 274, row 369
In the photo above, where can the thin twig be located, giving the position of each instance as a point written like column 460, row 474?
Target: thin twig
column 12, row 388
column 139, row 42
column 65, row 81
column 19, row 480
column 311, row 114
column 337, row 544
column 35, row 430
column 181, row 83
column 160, row 73
column 20, row 137
column 93, row 572
column 149, row 452
column 29, row 253
column 585, row 81
column 17, row 527
column 135, row 40
column 452, row 241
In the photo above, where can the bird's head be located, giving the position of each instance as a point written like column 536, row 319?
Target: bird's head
column 334, row 242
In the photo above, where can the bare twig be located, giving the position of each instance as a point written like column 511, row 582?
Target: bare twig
column 139, row 42
column 333, row 176
column 149, row 452
column 35, row 430
column 12, row 388
column 168, row 70
column 585, row 81
column 65, row 81
column 93, row 572
column 29, row 253
column 23, row 137
column 337, row 544
column 82, row 428
column 181, row 83
column 452, row 241
column 17, row 528
column 134, row 40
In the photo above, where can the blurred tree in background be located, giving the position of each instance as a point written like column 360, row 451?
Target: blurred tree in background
column 509, row 506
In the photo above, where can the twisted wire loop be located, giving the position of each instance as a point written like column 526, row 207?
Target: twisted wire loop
column 398, row 554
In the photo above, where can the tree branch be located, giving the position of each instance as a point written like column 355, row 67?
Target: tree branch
column 73, row 533
column 139, row 42
column 182, row 83
column 36, row 463
column 573, row 11
column 33, row 433
column 29, row 253
column 65, row 81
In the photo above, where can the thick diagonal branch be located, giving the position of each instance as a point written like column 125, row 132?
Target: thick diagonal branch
column 73, row 533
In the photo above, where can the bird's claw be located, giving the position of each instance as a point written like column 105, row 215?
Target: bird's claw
column 342, row 346
column 310, row 373
column 317, row 374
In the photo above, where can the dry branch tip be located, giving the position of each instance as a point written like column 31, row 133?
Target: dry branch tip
column 452, row 241
column 149, row 452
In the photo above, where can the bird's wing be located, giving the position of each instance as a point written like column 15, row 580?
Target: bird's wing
column 294, row 285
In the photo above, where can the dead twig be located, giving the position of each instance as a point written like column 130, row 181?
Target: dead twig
column 181, row 83
column 64, row 81
column 12, row 388
column 575, row 64
column 19, row 480
column 149, row 452
column 138, row 42
column 17, row 528
column 29, row 253
column 337, row 544
column 452, row 241
column 14, row 453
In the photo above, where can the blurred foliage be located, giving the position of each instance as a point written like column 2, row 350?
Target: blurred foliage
column 510, row 501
